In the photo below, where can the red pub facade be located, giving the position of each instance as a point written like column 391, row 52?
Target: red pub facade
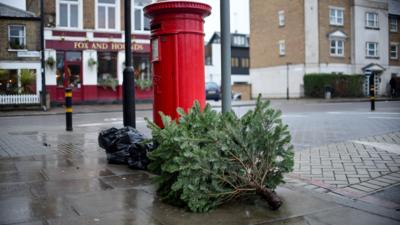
column 84, row 42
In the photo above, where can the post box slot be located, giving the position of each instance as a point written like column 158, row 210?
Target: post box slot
column 155, row 26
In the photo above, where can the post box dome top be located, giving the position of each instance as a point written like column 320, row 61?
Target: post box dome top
column 177, row 7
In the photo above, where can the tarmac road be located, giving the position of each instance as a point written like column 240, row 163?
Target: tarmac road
column 311, row 123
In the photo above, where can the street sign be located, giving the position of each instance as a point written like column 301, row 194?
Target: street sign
column 28, row 54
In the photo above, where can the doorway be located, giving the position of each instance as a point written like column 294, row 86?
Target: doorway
column 69, row 74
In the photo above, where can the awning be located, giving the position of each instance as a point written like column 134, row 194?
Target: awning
column 373, row 67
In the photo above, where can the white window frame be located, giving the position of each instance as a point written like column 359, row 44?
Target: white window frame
column 393, row 24
column 334, row 19
column 239, row 40
column 396, row 45
column 142, row 30
column 376, row 50
column 281, row 18
column 375, row 22
column 117, row 15
column 80, row 14
column 336, row 47
column 282, row 48
column 9, row 36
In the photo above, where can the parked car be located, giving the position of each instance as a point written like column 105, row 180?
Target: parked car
column 213, row 91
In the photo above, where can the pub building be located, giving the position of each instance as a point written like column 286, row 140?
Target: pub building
column 85, row 50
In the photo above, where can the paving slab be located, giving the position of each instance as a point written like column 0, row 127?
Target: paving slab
column 348, row 216
column 368, row 164
column 27, row 209
column 251, row 211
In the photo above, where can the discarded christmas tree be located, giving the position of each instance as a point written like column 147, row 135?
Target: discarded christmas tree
column 208, row 158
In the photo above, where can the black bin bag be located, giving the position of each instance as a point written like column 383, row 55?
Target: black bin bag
column 125, row 146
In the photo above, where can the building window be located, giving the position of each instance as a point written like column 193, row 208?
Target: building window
column 235, row 62
column 336, row 16
column 107, row 69
column 245, row 63
column 394, row 51
column 239, row 41
column 107, row 14
column 393, row 27
column 68, row 11
column 14, row 81
column 337, row 48
column 281, row 18
column 142, row 66
column 141, row 23
column 208, row 60
column 282, row 48
column 371, row 20
column 372, row 50
column 16, row 36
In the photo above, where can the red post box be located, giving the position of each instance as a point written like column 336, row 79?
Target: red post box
column 177, row 55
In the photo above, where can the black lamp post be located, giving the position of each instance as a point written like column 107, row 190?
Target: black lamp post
column 43, row 75
column 128, row 80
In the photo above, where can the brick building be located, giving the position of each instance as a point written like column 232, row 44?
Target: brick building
column 84, row 42
column 290, row 38
column 19, row 56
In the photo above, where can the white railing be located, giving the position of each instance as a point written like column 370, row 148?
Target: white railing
column 19, row 99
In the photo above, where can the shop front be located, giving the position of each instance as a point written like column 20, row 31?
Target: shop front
column 94, row 70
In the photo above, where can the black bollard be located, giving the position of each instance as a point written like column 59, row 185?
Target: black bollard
column 372, row 91
column 68, row 108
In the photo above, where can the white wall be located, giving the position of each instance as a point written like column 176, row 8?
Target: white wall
column 50, row 72
column 120, row 66
column 272, row 82
column 363, row 35
column 213, row 71
column 394, row 7
column 89, row 73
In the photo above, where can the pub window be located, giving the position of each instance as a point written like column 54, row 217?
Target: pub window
column 16, row 36
column 107, row 69
column 21, row 81
column 68, row 13
column 106, row 14
column 142, row 73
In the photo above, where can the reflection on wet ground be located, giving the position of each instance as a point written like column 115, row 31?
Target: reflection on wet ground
column 73, row 184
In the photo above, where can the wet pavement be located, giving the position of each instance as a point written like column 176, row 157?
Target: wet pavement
column 73, row 184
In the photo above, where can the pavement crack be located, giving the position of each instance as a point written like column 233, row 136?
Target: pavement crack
column 75, row 210
column 44, row 175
